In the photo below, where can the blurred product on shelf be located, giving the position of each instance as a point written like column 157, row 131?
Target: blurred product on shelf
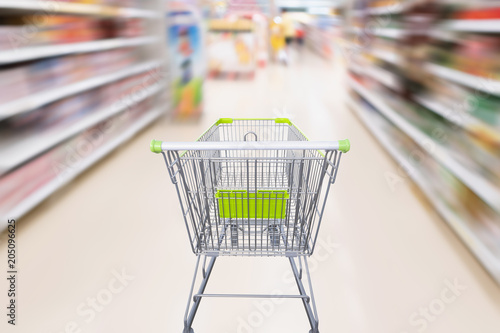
column 288, row 27
column 42, row 128
column 120, row 3
column 63, row 162
column 489, row 13
column 319, row 29
column 58, row 89
column 23, row 31
column 67, row 110
column 294, row 25
column 278, row 40
column 437, row 182
column 320, row 34
column 435, row 92
column 231, row 48
column 117, row 3
column 474, row 54
column 19, row 80
column 261, row 30
column 186, row 60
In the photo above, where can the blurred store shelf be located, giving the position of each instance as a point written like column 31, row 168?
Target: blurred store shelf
column 458, row 117
column 388, row 8
column 70, row 8
column 391, row 9
column 454, row 220
column 389, row 32
column 433, row 69
column 33, row 101
column 390, row 57
column 481, row 186
column 85, row 70
column 38, row 52
column 485, row 25
column 319, row 36
column 18, row 149
column 377, row 73
column 40, row 194
column 393, row 33
column 488, row 85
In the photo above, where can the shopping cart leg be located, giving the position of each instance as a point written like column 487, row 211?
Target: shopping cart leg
column 191, row 310
column 313, row 316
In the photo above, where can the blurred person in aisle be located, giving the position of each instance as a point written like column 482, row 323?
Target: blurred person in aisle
column 278, row 43
column 288, row 27
column 300, row 33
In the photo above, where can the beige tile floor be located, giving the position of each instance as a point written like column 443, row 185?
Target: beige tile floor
column 384, row 254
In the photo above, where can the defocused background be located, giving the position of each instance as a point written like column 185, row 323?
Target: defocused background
column 415, row 85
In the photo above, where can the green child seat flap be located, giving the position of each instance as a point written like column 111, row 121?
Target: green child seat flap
column 265, row 204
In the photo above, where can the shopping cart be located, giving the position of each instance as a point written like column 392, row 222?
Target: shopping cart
column 252, row 187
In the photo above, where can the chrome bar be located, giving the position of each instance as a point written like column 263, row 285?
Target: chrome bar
column 250, row 145
column 250, row 296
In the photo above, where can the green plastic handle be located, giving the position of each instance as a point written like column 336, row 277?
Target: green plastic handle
column 344, row 145
column 155, row 146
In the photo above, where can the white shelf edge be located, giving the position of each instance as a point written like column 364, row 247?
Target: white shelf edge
column 388, row 10
column 394, row 33
column 390, row 57
column 45, row 97
column 379, row 74
column 139, row 13
column 487, row 192
column 395, row 8
column 59, row 7
column 481, row 252
column 20, row 155
column 472, row 81
column 487, row 25
column 40, row 195
column 463, row 120
column 38, row 52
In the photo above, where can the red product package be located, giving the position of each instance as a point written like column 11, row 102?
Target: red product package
column 478, row 14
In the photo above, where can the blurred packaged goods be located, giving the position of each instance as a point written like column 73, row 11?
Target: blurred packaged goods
column 70, row 70
column 23, row 31
column 463, row 209
column 261, row 30
column 22, row 187
column 277, row 36
column 185, row 48
column 20, row 80
column 118, row 3
column 320, row 33
column 62, row 116
column 472, row 53
column 231, row 48
column 488, row 13
column 433, row 89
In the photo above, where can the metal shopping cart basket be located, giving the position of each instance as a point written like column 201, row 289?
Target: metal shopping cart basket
column 252, row 187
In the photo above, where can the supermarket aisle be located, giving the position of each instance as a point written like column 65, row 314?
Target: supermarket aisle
column 385, row 263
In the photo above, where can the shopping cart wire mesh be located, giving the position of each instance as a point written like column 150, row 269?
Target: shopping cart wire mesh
column 253, row 187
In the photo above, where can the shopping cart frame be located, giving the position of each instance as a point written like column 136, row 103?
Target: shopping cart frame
column 179, row 155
